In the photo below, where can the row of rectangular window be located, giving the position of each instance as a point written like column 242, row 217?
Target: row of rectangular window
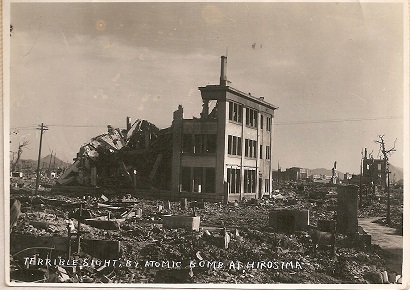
column 250, row 148
column 234, row 181
column 199, row 143
column 235, row 112
column 197, row 179
column 235, row 147
column 249, row 178
column 251, row 117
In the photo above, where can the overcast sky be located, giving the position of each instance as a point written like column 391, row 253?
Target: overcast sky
column 335, row 70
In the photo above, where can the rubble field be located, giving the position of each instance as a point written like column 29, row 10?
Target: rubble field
column 235, row 243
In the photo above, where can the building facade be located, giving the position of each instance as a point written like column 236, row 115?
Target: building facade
column 227, row 152
column 290, row 174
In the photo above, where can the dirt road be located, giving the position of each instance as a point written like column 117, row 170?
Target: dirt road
column 387, row 239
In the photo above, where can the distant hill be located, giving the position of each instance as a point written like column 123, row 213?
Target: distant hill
column 396, row 172
column 44, row 163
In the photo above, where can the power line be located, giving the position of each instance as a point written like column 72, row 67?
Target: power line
column 275, row 124
column 78, row 126
column 59, row 125
column 337, row 120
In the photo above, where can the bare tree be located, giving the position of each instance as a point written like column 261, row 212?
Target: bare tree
column 19, row 152
column 386, row 153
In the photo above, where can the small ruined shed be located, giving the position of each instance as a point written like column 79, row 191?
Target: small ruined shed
column 121, row 158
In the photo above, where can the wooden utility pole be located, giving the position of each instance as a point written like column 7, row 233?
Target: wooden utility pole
column 386, row 154
column 42, row 129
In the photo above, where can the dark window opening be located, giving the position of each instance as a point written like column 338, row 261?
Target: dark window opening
column 250, row 148
column 235, row 112
column 234, row 180
column 267, row 152
column 197, row 179
column 234, row 145
column 268, row 123
column 209, row 180
column 267, row 185
column 210, row 143
column 185, row 179
column 187, row 146
column 250, row 180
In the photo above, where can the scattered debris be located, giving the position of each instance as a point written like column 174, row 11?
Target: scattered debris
column 239, row 235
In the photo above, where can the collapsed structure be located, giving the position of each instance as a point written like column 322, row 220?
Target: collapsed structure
column 223, row 155
column 127, row 158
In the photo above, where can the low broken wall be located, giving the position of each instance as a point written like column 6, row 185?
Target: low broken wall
column 96, row 248
column 186, row 222
column 286, row 220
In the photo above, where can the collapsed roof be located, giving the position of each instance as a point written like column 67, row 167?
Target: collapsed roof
column 128, row 157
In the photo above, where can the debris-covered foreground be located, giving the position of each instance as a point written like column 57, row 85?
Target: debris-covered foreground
column 123, row 240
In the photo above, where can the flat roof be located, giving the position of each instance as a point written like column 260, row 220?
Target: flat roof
column 238, row 93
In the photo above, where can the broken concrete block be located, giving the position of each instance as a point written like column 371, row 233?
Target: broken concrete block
column 365, row 240
column 102, row 249
column 373, row 277
column 347, row 209
column 187, row 222
column 196, row 204
column 286, row 220
column 392, row 277
column 323, row 240
column 40, row 224
column 326, row 225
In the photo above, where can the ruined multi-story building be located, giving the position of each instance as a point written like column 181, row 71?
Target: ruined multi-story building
column 228, row 150
column 224, row 154
column 374, row 170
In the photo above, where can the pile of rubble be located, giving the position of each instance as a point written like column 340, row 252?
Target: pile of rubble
column 235, row 243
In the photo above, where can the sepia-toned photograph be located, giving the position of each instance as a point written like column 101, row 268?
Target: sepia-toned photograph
column 154, row 144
